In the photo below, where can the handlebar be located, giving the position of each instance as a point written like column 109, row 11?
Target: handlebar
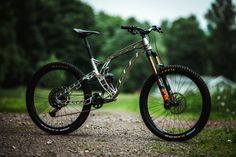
column 137, row 30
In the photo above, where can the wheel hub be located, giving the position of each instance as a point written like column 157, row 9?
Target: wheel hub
column 53, row 99
column 179, row 104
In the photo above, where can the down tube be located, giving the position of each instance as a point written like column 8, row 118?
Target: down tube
column 126, row 70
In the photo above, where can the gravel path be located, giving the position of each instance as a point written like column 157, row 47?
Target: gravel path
column 105, row 133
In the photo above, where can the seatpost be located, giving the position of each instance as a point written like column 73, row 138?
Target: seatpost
column 88, row 48
column 91, row 56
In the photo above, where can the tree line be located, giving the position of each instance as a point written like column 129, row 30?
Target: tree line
column 35, row 32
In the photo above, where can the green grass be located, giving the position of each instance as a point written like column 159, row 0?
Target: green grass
column 214, row 143
column 125, row 102
column 13, row 100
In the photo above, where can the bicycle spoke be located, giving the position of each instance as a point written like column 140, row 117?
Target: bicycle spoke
column 174, row 120
column 66, row 107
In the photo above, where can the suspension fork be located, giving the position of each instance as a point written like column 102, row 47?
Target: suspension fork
column 165, row 80
column 162, row 82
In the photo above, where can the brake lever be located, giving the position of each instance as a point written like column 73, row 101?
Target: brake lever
column 157, row 29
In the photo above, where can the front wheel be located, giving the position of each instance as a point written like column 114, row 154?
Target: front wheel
column 188, row 117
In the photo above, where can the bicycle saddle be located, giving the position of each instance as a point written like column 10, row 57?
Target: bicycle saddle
column 83, row 33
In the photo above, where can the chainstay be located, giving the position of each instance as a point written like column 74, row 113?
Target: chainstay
column 79, row 111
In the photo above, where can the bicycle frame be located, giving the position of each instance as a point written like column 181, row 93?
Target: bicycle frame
column 113, row 92
column 100, row 74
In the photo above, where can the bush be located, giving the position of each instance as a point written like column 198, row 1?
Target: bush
column 224, row 102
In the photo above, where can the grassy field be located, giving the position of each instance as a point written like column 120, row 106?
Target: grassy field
column 209, row 143
column 13, row 100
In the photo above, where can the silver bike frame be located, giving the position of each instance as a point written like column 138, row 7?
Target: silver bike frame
column 100, row 74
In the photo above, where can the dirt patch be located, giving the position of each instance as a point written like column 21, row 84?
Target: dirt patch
column 105, row 133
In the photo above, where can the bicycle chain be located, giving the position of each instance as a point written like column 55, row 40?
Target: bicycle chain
column 77, row 112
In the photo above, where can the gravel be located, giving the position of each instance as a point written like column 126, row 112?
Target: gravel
column 105, row 133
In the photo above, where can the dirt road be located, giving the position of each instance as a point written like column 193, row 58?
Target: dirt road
column 105, row 133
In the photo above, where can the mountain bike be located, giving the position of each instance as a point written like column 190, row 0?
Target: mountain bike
column 174, row 101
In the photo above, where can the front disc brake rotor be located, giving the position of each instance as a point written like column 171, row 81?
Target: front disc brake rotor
column 179, row 105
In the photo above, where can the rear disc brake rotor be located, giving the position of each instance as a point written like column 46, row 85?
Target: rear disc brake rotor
column 52, row 97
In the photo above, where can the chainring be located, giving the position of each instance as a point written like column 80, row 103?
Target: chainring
column 97, row 101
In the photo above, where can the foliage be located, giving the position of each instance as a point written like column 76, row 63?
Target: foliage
column 13, row 100
column 224, row 104
column 107, row 25
column 32, row 31
column 134, row 78
column 185, row 44
column 222, row 42
column 18, row 38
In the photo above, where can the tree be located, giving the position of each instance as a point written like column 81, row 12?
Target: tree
column 56, row 20
column 108, row 26
column 121, row 39
column 32, row 30
column 185, row 44
column 20, row 39
column 222, row 41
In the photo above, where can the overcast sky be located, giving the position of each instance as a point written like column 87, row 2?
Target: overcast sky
column 154, row 11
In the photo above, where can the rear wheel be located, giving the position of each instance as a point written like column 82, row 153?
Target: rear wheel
column 45, row 107
column 190, row 112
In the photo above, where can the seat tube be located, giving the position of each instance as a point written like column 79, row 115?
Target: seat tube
column 88, row 48
column 94, row 66
column 87, row 45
